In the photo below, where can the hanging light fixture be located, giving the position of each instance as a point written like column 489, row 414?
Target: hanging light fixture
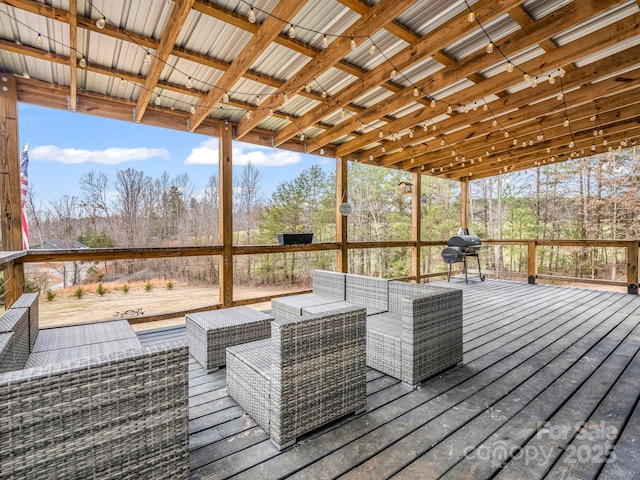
column 189, row 83
column 147, row 58
column 353, row 44
column 393, row 74
column 471, row 17
column 83, row 62
column 225, row 97
column 325, row 42
column 158, row 101
column 252, row 16
column 39, row 40
column 292, row 31
column 192, row 109
column 372, row 49
column 433, row 103
column 101, row 22
column 509, row 67
column 416, row 92
column 490, row 47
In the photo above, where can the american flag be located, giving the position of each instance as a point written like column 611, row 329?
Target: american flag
column 24, row 183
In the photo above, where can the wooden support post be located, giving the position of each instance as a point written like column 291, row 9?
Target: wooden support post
column 10, row 183
column 532, row 267
column 225, row 221
column 464, row 203
column 632, row 267
column 342, row 255
column 416, row 224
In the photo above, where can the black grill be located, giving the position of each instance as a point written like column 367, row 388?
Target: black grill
column 459, row 248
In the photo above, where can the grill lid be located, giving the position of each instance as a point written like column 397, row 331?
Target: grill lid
column 464, row 241
column 453, row 254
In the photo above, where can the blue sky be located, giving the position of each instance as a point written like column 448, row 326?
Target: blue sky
column 65, row 145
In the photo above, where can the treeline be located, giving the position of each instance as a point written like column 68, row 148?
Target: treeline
column 591, row 198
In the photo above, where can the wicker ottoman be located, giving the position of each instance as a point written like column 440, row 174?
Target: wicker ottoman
column 210, row 333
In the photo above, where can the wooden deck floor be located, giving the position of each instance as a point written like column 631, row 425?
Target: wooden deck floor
column 539, row 361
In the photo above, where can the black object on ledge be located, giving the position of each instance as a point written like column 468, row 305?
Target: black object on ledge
column 294, row 238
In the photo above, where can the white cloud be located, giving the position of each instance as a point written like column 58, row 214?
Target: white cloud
column 109, row 156
column 207, row 154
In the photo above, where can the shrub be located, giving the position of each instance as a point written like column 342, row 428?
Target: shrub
column 101, row 290
column 126, row 288
column 79, row 292
column 169, row 285
column 50, row 294
column 148, row 287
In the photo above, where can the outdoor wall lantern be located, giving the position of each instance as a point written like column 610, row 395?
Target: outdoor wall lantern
column 406, row 187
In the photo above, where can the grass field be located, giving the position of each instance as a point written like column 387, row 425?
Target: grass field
column 67, row 308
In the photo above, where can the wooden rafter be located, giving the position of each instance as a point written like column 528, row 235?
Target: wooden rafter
column 268, row 31
column 379, row 16
column 73, row 48
column 178, row 16
column 560, row 57
column 429, row 45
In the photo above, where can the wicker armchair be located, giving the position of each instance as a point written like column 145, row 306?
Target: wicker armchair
column 420, row 336
column 310, row 372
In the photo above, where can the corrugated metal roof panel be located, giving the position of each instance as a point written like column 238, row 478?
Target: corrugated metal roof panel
column 426, row 16
column 278, row 61
column 372, row 97
column 539, row 8
column 584, row 29
column 478, row 40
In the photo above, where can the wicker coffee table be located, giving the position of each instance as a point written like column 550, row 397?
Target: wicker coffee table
column 210, row 333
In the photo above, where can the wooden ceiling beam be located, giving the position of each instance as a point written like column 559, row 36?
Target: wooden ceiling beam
column 376, row 18
column 628, row 131
column 544, row 96
column 43, row 94
column 562, row 19
column 395, row 27
column 179, row 14
column 556, row 140
column 73, row 48
column 550, row 121
column 431, row 44
column 605, row 37
column 284, row 11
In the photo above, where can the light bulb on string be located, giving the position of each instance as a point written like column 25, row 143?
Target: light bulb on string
column 475, row 107
column 192, row 109
column 449, row 109
column 410, row 133
column 353, row 43
column 325, row 42
column 506, row 134
column 560, row 97
column 561, row 73
column 433, row 103
column 380, row 134
column 490, row 47
column 526, row 77
column 494, row 123
column 252, row 16
column 147, row 58
column 382, row 149
column 270, row 112
column 509, row 67
column 393, row 74
column 83, row 62
column 248, row 115
column 285, row 97
column 158, row 101
column 515, row 141
column 534, row 82
column 225, row 97
column 372, row 49
column 572, row 144
column 416, row 92
column 471, row 17
column 302, row 137
column 343, row 112
column 485, row 107
column 189, row 83
column 258, row 100
column 324, row 94
column 552, row 80
column 307, row 88
column 39, row 40
column 292, row 31
column 121, row 82
column 321, row 151
column 566, row 122
column 101, row 22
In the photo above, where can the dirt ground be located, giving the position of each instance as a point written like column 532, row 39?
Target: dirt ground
column 66, row 308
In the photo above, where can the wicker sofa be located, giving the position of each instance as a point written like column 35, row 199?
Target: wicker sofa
column 90, row 410
column 310, row 372
column 414, row 331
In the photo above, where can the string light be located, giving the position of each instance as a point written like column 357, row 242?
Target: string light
column 39, row 40
column 325, row 42
column 433, row 104
column 158, row 101
column 416, row 92
column 101, row 22
column 509, row 67
column 121, row 83
column 147, row 59
column 248, row 115
column 189, row 83
column 471, row 17
column 83, row 62
column 372, row 49
column 258, row 100
column 252, row 16
column 225, row 97
column 449, row 109
column 353, row 43
column 324, row 94
column 393, row 74
column 490, row 47
column 192, row 109
column 292, row 32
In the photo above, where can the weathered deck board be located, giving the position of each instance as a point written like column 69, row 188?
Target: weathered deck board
column 538, row 360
